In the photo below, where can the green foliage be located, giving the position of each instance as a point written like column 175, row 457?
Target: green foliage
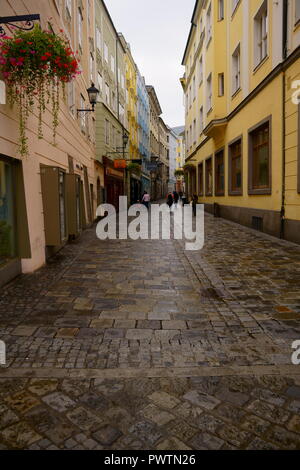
column 134, row 167
column 34, row 64
column 178, row 173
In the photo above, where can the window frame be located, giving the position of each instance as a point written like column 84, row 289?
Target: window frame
column 251, row 190
column 221, row 81
column 236, row 74
column 259, row 36
column 219, row 192
column 231, row 191
column 209, row 96
column 221, row 11
column 297, row 18
column 201, row 180
column 209, row 193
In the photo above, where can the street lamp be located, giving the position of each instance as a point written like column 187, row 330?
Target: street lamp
column 92, row 94
column 125, row 139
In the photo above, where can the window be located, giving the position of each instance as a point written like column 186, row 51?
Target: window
column 194, row 131
column 200, row 180
column 105, row 52
column 201, row 120
column 194, row 88
column 82, row 115
column 260, row 158
column 209, row 93
column 236, row 70
column 122, row 113
column 69, row 9
column 107, row 94
column 234, row 5
column 219, row 173
column 122, row 81
column 113, row 99
column 112, row 64
column 98, row 39
column 80, row 24
column 71, row 97
column 200, row 70
column 92, row 67
column 191, row 136
column 297, row 11
column 221, row 84
column 221, row 10
column 100, row 85
column 235, row 168
column 261, row 34
column 190, row 96
column 209, row 24
column 208, row 177
column 106, row 132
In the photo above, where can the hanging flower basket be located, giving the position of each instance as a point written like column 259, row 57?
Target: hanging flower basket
column 134, row 168
column 35, row 65
column 178, row 173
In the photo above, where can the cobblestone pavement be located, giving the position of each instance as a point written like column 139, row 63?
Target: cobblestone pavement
column 142, row 345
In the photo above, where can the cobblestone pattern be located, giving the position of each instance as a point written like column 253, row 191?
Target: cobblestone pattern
column 163, row 414
column 137, row 305
column 150, row 304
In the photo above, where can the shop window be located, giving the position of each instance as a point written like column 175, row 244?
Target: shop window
column 200, row 180
column 7, row 213
column 235, row 168
column 219, row 173
column 260, row 158
column 208, row 177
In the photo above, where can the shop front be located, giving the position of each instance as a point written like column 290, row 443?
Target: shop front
column 14, row 236
column 114, row 182
column 135, row 189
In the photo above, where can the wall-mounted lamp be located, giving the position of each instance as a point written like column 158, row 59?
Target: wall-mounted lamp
column 92, row 94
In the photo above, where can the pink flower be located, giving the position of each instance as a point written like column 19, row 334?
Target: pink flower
column 12, row 60
column 2, row 61
column 6, row 74
column 32, row 52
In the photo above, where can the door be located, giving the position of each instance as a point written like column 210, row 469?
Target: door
column 7, row 214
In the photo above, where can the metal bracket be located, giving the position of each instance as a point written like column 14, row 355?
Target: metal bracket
column 27, row 20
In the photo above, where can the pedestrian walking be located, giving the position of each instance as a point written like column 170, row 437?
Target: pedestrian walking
column 183, row 198
column 170, row 200
column 146, row 199
column 176, row 198
column 194, row 204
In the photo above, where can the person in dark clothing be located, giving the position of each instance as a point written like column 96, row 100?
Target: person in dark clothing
column 170, row 200
column 194, row 204
column 176, row 198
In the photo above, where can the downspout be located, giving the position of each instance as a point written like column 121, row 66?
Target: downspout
column 284, row 56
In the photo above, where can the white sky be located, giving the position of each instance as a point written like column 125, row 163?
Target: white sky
column 157, row 32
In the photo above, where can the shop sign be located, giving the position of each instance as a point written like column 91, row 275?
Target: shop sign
column 120, row 163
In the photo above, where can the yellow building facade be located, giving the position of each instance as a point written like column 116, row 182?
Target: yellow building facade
column 242, row 120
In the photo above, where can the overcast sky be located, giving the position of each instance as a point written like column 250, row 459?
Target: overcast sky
column 157, row 32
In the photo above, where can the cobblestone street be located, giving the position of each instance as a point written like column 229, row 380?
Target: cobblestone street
column 142, row 345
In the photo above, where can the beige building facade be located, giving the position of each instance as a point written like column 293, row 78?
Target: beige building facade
column 30, row 228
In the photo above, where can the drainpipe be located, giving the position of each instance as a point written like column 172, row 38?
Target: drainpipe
column 284, row 56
